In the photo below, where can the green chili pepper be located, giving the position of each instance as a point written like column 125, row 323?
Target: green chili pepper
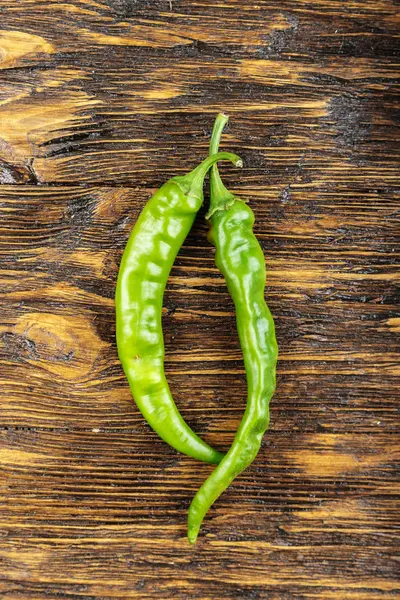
column 152, row 247
column 241, row 261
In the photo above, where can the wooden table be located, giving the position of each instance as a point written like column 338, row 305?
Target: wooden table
column 101, row 102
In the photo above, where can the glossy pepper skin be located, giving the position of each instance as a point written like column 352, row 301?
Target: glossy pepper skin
column 240, row 259
column 146, row 263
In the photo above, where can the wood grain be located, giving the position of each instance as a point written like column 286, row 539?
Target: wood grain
column 100, row 102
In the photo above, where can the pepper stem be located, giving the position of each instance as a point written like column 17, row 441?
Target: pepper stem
column 220, row 197
column 192, row 183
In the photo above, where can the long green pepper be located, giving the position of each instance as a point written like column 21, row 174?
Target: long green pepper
column 146, row 263
column 240, row 259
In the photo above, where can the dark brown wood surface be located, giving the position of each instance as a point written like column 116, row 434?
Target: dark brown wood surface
column 100, row 102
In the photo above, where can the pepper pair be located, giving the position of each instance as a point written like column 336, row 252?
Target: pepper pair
column 149, row 255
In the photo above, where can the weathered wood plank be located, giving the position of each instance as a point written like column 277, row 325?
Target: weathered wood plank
column 93, row 513
column 315, row 124
column 261, row 28
column 115, row 112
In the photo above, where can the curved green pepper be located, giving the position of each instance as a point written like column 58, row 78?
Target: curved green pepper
column 149, row 255
column 240, row 259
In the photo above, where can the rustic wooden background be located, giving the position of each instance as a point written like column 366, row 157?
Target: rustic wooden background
column 101, row 102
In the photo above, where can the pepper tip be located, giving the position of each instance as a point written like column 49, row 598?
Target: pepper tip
column 193, row 528
column 192, row 537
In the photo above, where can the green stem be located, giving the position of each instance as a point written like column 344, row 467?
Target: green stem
column 220, row 197
column 192, row 183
